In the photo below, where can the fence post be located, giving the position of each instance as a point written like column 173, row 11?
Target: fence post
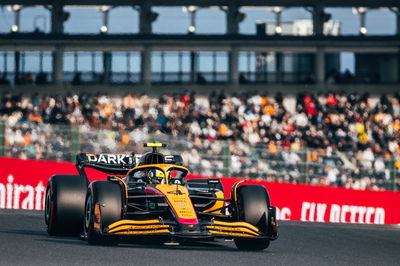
column 2, row 137
column 75, row 143
column 392, row 173
column 303, row 166
column 227, row 159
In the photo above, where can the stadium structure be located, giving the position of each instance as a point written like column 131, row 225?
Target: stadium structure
column 295, row 61
column 287, row 57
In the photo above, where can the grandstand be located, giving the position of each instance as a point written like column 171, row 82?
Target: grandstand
column 272, row 105
column 341, row 139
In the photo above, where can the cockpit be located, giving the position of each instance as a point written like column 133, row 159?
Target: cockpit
column 158, row 174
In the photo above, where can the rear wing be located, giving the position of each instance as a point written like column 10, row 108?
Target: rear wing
column 115, row 164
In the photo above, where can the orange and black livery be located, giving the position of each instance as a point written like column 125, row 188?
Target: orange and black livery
column 149, row 196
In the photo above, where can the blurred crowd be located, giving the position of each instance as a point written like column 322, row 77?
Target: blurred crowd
column 341, row 139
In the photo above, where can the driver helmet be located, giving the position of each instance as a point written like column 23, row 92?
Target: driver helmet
column 156, row 176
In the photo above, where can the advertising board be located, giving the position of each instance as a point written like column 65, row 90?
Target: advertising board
column 23, row 185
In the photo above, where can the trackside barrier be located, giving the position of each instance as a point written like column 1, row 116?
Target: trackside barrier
column 23, row 184
column 301, row 202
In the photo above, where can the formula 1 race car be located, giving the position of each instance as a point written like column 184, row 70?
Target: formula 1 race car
column 149, row 195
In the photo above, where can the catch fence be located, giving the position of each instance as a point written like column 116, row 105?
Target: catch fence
column 204, row 156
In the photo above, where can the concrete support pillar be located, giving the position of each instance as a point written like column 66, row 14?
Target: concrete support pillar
column 57, row 27
column 234, row 67
column 17, row 60
column 398, row 23
column 107, row 61
column 58, row 71
column 396, row 11
column 17, row 55
column 193, row 66
column 104, row 27
column 57, row 20
column 279, row 67
column 192, row 30
column 146, row 66
column 144, row 18
column 320, row 66
column 17, row 20
column 318, row 20
column 363, row 28
column 398, row 67
column 278, row 23
column 232, row 22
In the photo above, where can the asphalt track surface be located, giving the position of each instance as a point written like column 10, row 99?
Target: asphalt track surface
column 24, row 241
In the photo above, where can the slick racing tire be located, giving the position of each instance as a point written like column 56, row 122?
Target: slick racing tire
column 253, row 203
column 65, row 204
column 106, row 197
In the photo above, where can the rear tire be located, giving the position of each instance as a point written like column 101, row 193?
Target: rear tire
column 108, row 195
column 253, row 203
column 65, row 204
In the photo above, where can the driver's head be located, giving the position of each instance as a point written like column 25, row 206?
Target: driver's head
column 155, row 176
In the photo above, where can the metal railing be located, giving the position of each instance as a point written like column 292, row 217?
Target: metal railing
column 211, row 158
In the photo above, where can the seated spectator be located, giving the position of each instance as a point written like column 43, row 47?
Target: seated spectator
column 333, row 133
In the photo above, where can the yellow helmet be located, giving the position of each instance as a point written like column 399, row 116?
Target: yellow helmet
column 155, row 176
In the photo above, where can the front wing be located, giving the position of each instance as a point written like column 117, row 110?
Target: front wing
column 208, row 229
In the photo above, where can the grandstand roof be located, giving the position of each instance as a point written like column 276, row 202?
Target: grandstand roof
column 33, row 41
column 284, row 3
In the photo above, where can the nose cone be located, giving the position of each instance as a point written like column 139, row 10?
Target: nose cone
column 180, row 203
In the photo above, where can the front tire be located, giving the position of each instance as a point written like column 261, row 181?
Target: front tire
column 253, row 203
column 65, row 204
column 105, row 198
